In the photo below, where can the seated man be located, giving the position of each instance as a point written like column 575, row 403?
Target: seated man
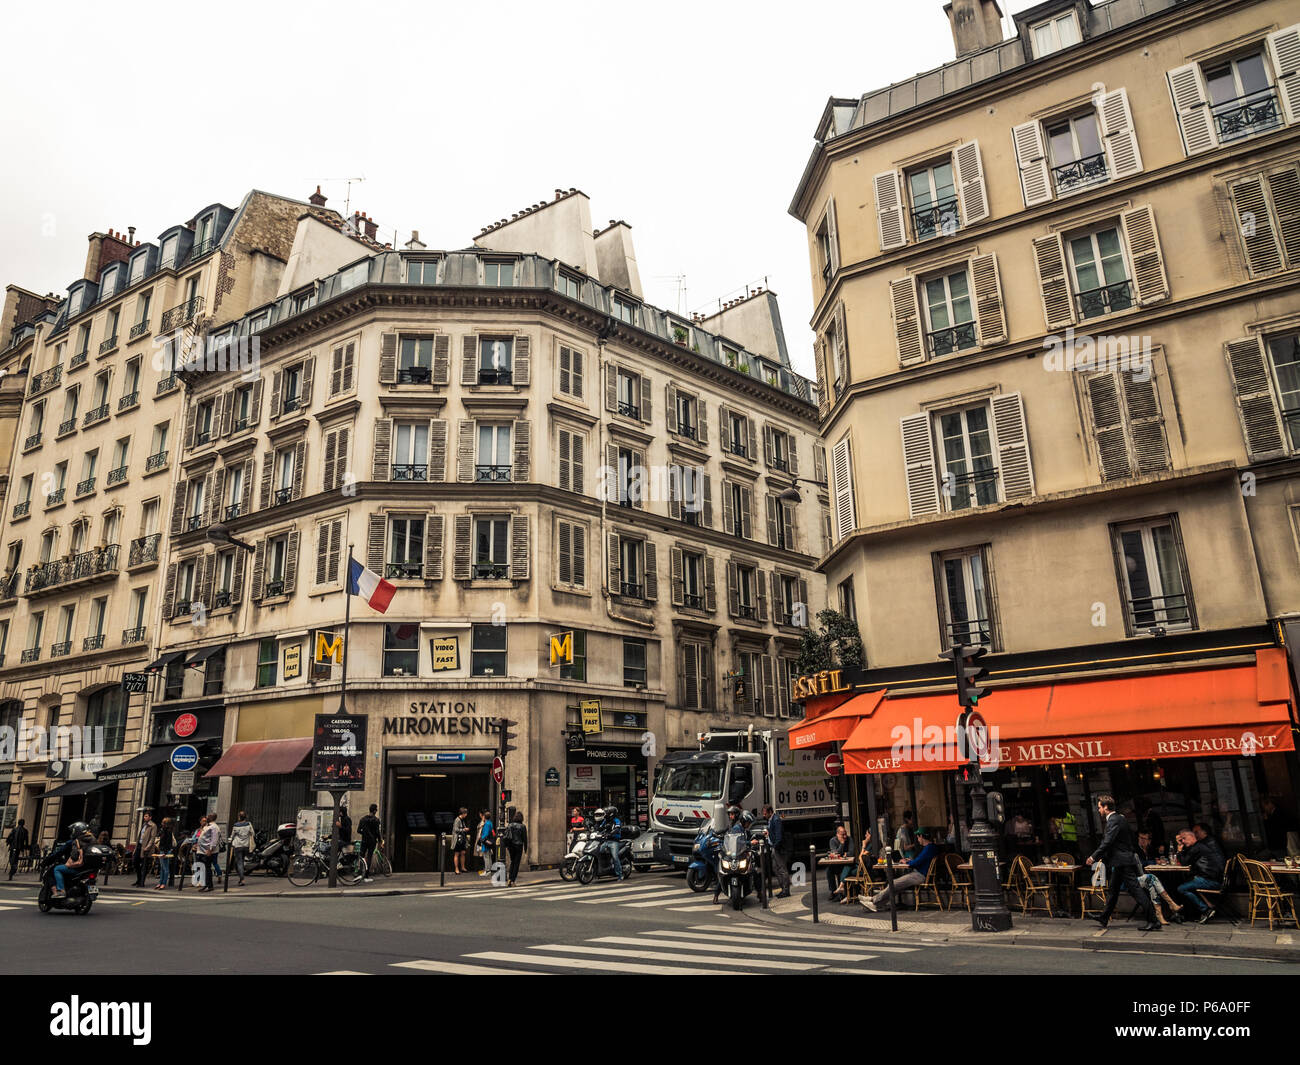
column 917, row 869
column 1205, row 856
column 840, row 847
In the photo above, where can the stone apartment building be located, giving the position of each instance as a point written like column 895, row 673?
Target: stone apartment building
column 1058, row 285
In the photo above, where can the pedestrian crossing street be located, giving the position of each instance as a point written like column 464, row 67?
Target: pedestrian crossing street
column 653, row 893
column 720, row 948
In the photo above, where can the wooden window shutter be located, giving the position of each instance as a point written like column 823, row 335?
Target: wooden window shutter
column 907, row 321
column 264, row 490
column 786, row 514
column 769, row 686
column 564, row 552
column 169, row 592
column 889, row 209
column 747, row 511
column 191, row 410
column 1192, row 107
column 433, row 536
column 792, row 454
column 438, row 450
column 246, row 493
column 919, row 466
column 971, row 189
column 1284, row 190
column 258, row 579
column 710, row 591
column 842, row 489
column 383, row 449
column 275, row 395
column 611, row 387
column 299, row 468
column 760, row 589
column 804, row 612
column 690, row 674
column 564, row 463
column 179, row 492
column 1150, row 281
column 832, row 236
column 733, row 589
column 651, row 571
column 1146, row 424
column 842, row 338
column 462, row 551
column 670, row 406
column 577, row 374
column 521, row 436
column 989, row 307
column 772, row 518
column 1257, row 405
column 708, row 500
column 566, row 369
column 336, row 551
column 677, row 574
column 1119, row 138
column 819, row 463
column 349, row 364
column 1015, row 470
column 227, row 412
column 331, row 461
column 291, row 562
column 751, row 439
column 645, row 399
column 308, row 375
column 767, row 445
column 701, row 421
column 1255, row 224
column 577, row 446
column 336, row 371
column 237, row 578
column 388, row 359
column 613, row 485
column 207, row 569
column 323, row 552
column 1031, row 159
column 465, row 451
column 442, row 359
column 728, row 518
column 614, row 564
column 469, row 360
column 522, row 371
column 638, row 485
column 1284, row 50
column 580, row 556
column 1049, row 258
column 778, row 606
column 1108, row 427
column 255, row 407
column 823, row 378
column 376, row 530
column 675, row 492
column 216, row 485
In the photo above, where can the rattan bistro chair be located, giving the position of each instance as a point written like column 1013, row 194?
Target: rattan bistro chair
column 1264, row 891
column 961, row 881
column 930, row 886
column 1033, row 889
column 856, row 883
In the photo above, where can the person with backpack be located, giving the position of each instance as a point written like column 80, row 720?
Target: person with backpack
column 18, row 840
column 460, row 842
column 371, row 836
column 516, row 837
column 485, row 840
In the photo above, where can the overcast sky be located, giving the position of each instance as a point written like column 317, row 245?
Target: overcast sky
column 692, row 122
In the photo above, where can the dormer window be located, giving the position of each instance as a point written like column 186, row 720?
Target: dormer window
column 203, row 235
column 1055, row 33
column 75, row 300
column 137, row 268
column 168, row 256
column 568, row 285
column 498, row 273
column 624, row 310
column 108, row 284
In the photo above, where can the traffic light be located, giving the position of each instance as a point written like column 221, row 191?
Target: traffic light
column 507, row 737
column 969, row 672
column 997, row 810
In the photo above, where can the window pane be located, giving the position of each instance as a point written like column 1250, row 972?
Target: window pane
column 1139, row 579
column 1254, row 78
column 1067, row 31
column 1044, row 43
column 1171, row 575
column 1085, row 129
column 944, row 189
column 1112, row 256
column 936, row 301
column 1061, row 144
column 1085, row 269
column 920, row 183
column 489, row 637
column 1221, row 85
column 960, row 292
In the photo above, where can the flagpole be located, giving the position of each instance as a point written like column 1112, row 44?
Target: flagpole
column 347, row 635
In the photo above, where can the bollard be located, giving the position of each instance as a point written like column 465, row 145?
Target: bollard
column 812, row 878
column 230, row 853
column 442, row 859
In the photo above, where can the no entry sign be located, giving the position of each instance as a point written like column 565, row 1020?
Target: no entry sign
column 834, row 765
column 498, row 770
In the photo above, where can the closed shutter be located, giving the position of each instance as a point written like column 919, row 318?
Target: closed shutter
column 462, row 549
column 1049, row 258
column 613, row 487
column 747, row 512
column 1145, row 422
column 689, row 658
column 579, row 371
column 308, row 376
column 246, row 493
column 566, row 369
column 832, row 237
column 819, row 463
column 645, row 398
column 611, row 388
column 769, row 686
column 751, row 439
column 1123, row 158
column 275, row 395
column 842, row 489
column 237, row 580
column 323, row 551
column 258, row 579
column 989, row 308
column 438, row 450
column 469, row 360
column 227, row 412
column 291, row 563
column 216, row 490
column 522, row 371
column 675, row 492
column 823, row 378
column 701, row 421
column 907, row 321
column 442, row 359
column 522, row 435
column 331, row 460
column 677, row 574
column 919, row 466
column 1284, row 188
column 1257, row 405
column 772, row 518
column 179, row 492
column 383, row 450
column 190, row 412
column 1015, row 470
column 1031, row 159
column 204, row 571
column 710, row 591
column 637, row 485
column 564, row 463
column 376, row 528
column 388, row 359
column 336, row 370
column 733, row 589
column 889, row 210
column 299, row 468
column 1150, row 281
column 1255, row 224
column 1108, row 427
column 335, row 551
column 760, row 587
column 614, row 564
column 778, row 601
column 1284, row 50
column 786, row 514
column 465, row 451
column 343, row 472
column 651, row 571
column 1192, row 108
column 708, row 501
column 169, row 592
column 842, row 342
column 564, row 553
column 255, row 407
column 264, row 489
column 767, row 445
column 670, row 407
column 971, row 188
column 433, row 535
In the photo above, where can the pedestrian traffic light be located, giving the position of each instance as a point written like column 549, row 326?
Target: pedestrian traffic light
column 507, row 738
column 997, row 810
column 968, row 672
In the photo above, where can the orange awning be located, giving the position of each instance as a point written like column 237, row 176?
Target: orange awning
column 835, row 725
column 261, row 758
column 1201, row 713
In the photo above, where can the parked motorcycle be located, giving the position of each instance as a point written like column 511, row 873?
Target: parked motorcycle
column 272, row 856
column 81, row 886
column 740, row 865
column 594, row 862
column 704, row 859
column 577, row 844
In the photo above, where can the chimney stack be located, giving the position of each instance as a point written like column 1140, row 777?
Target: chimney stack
column 372, row 227
column 316, row 199
column 976, row 24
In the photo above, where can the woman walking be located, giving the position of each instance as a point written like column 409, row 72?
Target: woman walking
column 166, row 850
column 484, row 839
column 460, row 842
column 516, row 835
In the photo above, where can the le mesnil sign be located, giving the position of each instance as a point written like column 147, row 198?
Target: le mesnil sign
column 441, row 719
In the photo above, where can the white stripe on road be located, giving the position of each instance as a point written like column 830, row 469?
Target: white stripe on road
column 342, row 972
column 610, row 893
column 601, row 966
column 3, row 908
column 656, row 955
column 781, row 939
column 819, row 952
column 876, row 972
column 454, row 968
column 676, row 896
column 663, row 897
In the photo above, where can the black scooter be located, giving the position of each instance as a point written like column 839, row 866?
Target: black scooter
column 595, row 863
column 272, row 856
column 81, row 886
column 740, row 865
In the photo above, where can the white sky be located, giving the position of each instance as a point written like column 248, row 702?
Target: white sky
column 692, row 122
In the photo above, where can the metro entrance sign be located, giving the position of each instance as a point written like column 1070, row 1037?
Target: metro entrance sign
column 498, row 770
column 834, row 765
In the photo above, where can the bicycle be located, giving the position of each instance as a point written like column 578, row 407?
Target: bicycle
column 309, row 866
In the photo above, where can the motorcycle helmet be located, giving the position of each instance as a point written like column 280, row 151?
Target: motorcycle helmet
column 599, row 813
column 77, row 829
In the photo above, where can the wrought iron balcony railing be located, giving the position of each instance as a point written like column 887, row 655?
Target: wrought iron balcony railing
column 86, row 486
column 1106, row 300
column 632, row 589
column 135, row 635
column 182, row 314
column 1244, row 115
column 694, row 602
column 202, row 436
column 79, row 359
column 32, row 441
column 116, row 476
column 410, row 472
column 21, row 510
column 274, row 588
column 1154, row 611
column 53, row 499
column 281, row 496
column 201, row 249
column 495, row 377
column 405, row 571
column 43, row 382
column 936, row 219
column 108, row 344
column 1079, row 172
column 167, row 383
column 233, row 511
column 490, row 571
column 690, row 517
column 156, row 461
column 492, row 473
column 144, row 549
column 9, row 586
column 960, row 487
column 93, row 643
column 194, row 522
column 131, row 399
column 687, row 430
column 290, row 404
column 736, row 447
column 972, row 632
column 414, row 375
column 95, row 415
column 138, row 330
column 221, row 599
column 746, row 610
column 183, row 607
column 946, row 341
column 630, row 409
column 55, row 573
column 68, row 425
column 31, row 654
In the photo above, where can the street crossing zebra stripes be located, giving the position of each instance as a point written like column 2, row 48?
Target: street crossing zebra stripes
column 666, row 892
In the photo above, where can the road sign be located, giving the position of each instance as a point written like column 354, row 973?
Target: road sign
column 552, row 777
column 184, row 757
column 338, row 752
column 134, row 683
column 834, row 765
column 182, row 783
column 977, row 736
column 498, row 770
column 185, row 725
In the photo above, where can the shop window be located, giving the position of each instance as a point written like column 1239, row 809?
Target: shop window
column 267, row 656
column 401, row 650
column 634, row 663
column 488, row 651
column 577, row 670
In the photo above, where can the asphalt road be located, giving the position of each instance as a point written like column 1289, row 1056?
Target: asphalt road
column 647, row 925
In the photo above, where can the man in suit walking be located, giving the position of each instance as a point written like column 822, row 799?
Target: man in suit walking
column 1117, row 851
column 144, row 848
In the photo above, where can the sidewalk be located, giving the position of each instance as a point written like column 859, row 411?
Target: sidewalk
column 1219, row 937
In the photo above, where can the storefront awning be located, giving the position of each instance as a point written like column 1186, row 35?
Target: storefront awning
column 836, row 725
column 163, row 661
column 75, row 787
column 262, row 758
column 1205, row 713
column 138, row 766
column 198, row 657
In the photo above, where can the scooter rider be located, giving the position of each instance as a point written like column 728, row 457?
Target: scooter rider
column 74, row 854
column 610, row 826
column 737, row 822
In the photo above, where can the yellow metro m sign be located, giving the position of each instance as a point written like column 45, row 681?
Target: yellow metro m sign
column 562, row 648
column 329, row 645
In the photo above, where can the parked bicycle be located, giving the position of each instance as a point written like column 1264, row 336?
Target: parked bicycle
column 308, row 866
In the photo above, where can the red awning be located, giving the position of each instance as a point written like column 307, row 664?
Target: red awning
column 836, row 725
column 261, row 758
column 1202, row 713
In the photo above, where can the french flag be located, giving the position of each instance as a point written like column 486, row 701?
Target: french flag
column 376, row 591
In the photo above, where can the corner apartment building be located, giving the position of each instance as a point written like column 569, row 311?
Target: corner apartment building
column 94, row 409
column 524, row 447
column 1057, row 285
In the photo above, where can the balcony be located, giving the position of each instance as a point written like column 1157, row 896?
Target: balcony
column 1244, row 115
column 631, row 410
column 202, row 436
column 222, row 599
column 182, row 314
column 274, row 588
column 143, row 550
column 693, row 602
column 780, row 462
column 404, row 571
column 747, row 611
column 946, row 341
column 687, row 430
column 108, row 345
column 201, row 249
column 43, row 382
column 95, row 415
column 21, row 510
column 194, row 522
column 290, row 404
column 85, row 487
column 131, row 399
column 55, row 498
column 495, row 377
column 415, row 375
column 490, row 571
column 183, row 607
column 281, row 496
column 491, row 473
column 1106, row 300
column 9, row 587
column 32, row 441
column 138, row 330
column 410, row 472
column 117, row 476
column 31, row 654
column 1159, row 612
column 981, row 484
column 1080, row 173
column 240, row 425
column 156, row 461
column 735, row 447
column 233, row 511
column 135, row 635
column 936, row 220
column 88, row 567
column 167, row 384
column 631, row 590
column 79, row 359
column 93, row 643
column 68, row 425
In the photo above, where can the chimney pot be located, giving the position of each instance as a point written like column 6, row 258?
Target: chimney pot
column 316, row 199
column 976, row 24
